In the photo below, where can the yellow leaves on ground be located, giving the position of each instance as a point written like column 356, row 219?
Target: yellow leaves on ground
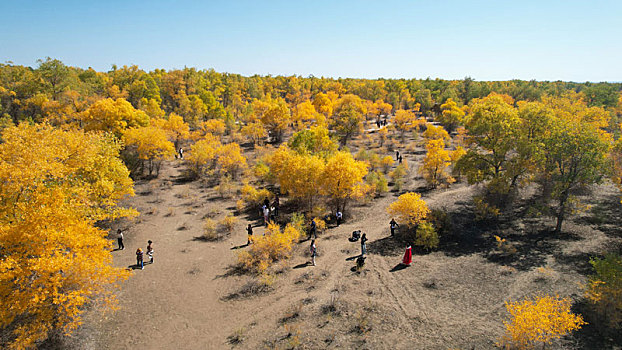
column 539, row 320
column 55, row 186
column 409, row 208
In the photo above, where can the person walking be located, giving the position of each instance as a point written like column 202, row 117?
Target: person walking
column 139, row 258
column 313, row 230
column 313, row 250
column 249, row 230
column 400, row 159
column 266, row 215
column 397, row 155
column 363, row 244
column 339, row 216
column 393, row 225
column 120, row 239
column 150, row 251
column 276, row 206
column 181, row 153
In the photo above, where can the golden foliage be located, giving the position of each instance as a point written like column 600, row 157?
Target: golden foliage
column 273, row 246
column 386, row 163
column 150, row 144
column 230, row 159
column 426, row 236
column 251, row 197
column 202, row 155
column 342, row 178
column 297, row 174
column 435, row 163
column 55, row 186
column 539, row 320
column 434, row 132
column 409, row 208
column 255, row 132
column 113, row 116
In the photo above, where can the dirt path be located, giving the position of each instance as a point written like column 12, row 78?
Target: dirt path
column 177, row 298
column 182, row 300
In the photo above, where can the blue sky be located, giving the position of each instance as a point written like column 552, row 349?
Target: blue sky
column 487, row 40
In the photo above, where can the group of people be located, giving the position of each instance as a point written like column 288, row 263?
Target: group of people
column 139, row 252
column 270, row 212
column 380, row 123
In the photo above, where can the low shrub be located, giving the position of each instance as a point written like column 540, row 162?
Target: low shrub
column 210, row 231
column 252, row 197
column 426, row 236
column 604, row 290
column 271, row 247
column 228, row 222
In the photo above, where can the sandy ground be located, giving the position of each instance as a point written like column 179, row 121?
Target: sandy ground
column 451, row 298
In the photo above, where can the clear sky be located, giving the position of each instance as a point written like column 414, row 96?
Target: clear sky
column 487, row 40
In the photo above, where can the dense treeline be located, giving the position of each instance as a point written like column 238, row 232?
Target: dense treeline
column 197, row 95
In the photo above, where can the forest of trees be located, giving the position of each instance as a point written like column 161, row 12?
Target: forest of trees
column 73, row 139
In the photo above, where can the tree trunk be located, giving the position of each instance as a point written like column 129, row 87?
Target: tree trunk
column 562, row 211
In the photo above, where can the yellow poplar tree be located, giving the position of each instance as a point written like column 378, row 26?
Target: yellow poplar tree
column 151, row 145
column 113, row 116
column 255, row 132
column 176, row 128
column 409, row 209
column 404, row 121
column 202, row 155
column 230, row 159
column 451, row 115
column 348, row 117
column 342, row 178
column 304, row 115
column 434, row 132
column 323, row 104
column 55, row 186
column 435, row 163
column 297, row 174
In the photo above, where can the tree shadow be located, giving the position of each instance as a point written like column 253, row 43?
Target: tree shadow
column 385, row 246
column 596, row 334
column 233, row 270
